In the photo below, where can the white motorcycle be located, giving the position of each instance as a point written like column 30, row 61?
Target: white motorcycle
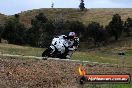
column 60, row 47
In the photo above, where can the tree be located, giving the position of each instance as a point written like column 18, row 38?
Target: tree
column 59, row 24
column 30, row 37
column 116, row 26
column 82, row 5
column 47, row 34
column 1, row 32
column 17, row 17
column 128, row 26
column 52, row 5
column 34, row 33
column 96, row 32
column 14, row 32
column 102, row 36
column 77, row 27
column 41, row 17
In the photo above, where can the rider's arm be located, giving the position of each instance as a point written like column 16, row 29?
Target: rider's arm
column 76, row 41
column 75, row 44
column 72, row 48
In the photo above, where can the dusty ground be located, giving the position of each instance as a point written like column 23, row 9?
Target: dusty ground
column 33, row 73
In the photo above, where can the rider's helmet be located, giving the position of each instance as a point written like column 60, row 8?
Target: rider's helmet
column 72, row 35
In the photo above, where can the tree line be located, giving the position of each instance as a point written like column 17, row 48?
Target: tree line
column 42, row 30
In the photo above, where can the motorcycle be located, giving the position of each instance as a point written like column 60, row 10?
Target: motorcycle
column 55, row 54
column 59, row 48
column 60, row 51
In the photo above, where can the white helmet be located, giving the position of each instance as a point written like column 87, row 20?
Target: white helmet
column 72, row 34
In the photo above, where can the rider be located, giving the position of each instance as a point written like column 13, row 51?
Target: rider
column 73, row 42
column 62, row 42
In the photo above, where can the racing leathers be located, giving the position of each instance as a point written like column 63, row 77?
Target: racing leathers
column 73, row 45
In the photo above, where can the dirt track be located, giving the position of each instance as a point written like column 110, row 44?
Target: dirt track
column 34, row 73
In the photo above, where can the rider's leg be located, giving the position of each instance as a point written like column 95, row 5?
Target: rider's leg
column 69, row 54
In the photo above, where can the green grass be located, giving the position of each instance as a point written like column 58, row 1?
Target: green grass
column 20, row 50
column 108, row 85
column 104, row 57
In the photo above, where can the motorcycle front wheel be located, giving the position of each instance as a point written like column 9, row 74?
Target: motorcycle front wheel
column 46, row 53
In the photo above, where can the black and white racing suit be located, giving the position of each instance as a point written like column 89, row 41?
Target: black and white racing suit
column 73, row 45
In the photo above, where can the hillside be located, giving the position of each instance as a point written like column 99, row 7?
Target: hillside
column 102, row 16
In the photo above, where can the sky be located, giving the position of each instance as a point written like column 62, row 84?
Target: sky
column 10, row 7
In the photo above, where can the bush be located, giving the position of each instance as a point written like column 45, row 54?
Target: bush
column 128, row 26
column 14, row 32
column 115, row 26
column 96, row 32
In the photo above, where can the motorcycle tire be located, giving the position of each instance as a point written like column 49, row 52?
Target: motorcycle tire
column 46, row 53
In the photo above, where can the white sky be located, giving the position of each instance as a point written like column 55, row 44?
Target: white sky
column 10, row 7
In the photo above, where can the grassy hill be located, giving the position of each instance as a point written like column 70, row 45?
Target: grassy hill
column 102, row 16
